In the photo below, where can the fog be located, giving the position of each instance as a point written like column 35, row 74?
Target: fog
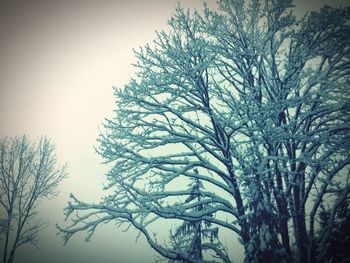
column 58, row 63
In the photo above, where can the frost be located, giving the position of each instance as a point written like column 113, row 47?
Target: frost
column 251, row 103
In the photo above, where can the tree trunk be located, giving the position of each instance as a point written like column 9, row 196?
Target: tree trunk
column 283, row 212
column 300, row 226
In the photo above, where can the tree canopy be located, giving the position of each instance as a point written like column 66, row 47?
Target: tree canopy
column 252, row 102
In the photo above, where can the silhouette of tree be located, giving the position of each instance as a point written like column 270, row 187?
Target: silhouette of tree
column 28, row 173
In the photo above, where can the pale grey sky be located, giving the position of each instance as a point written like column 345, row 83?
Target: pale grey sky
column 58, row 63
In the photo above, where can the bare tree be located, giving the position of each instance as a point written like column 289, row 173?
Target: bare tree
column 28, row 173
column 254, row 99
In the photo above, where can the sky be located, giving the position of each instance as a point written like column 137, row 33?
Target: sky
column 58, row 63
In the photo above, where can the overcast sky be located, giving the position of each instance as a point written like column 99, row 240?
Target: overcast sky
column 58, row 63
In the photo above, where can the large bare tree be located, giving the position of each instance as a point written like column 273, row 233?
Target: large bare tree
column 28, row 173
column 252, row 102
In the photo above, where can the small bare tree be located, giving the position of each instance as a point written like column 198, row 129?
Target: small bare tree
column 28, row 173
